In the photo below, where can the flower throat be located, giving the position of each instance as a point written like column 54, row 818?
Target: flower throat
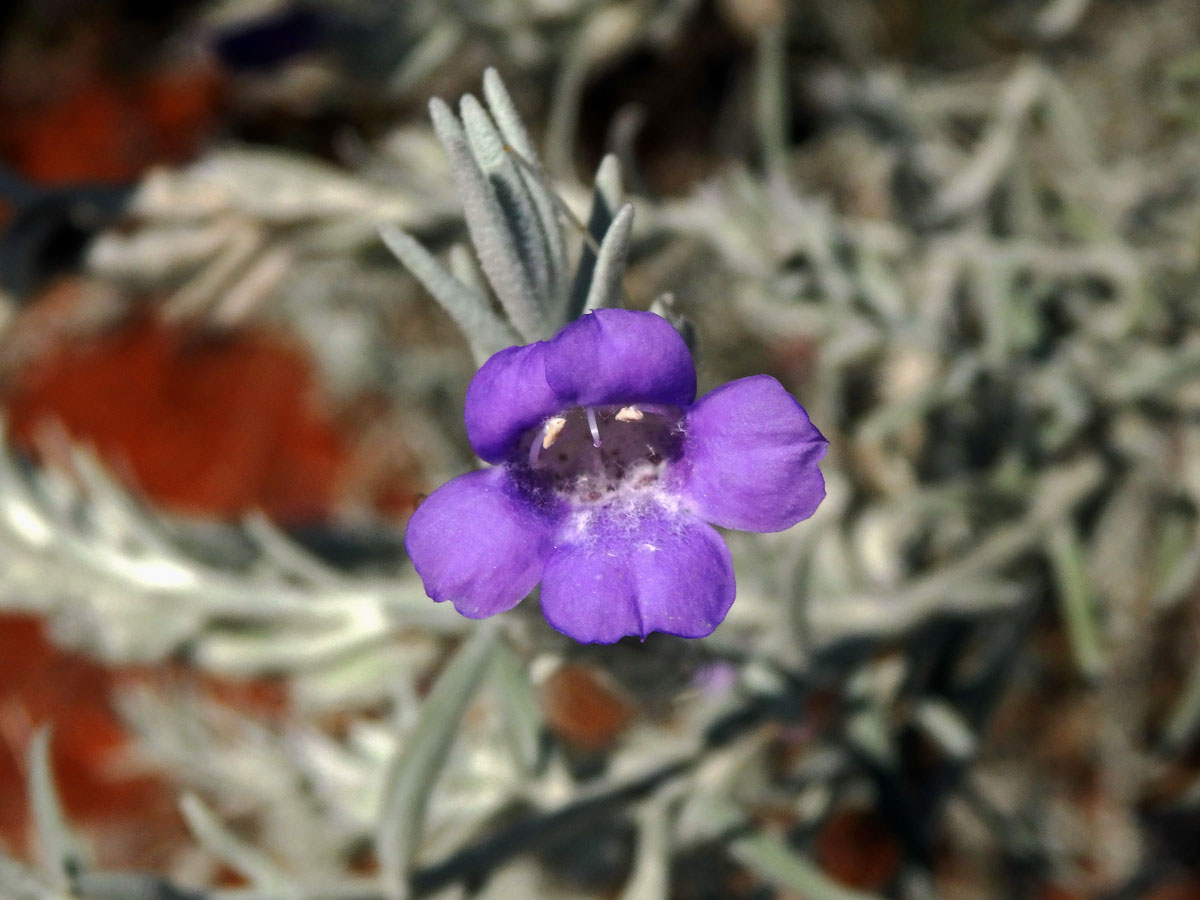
column 592, row 454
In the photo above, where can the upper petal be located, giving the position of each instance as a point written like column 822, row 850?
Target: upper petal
column 750, row 457
column 630, row 572
column 508, row 396
column 620, row 356
column 478, row 542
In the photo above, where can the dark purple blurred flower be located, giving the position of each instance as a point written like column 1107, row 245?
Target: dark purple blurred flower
column 607, row 474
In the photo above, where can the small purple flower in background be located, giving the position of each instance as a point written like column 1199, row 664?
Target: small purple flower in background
column 608, row 472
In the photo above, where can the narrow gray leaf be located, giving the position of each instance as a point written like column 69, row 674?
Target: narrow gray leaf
column 20, row 882
column 500, row 103
column 486, row 332
column 493, row 242
column 131, row 886
column 774, row 861
column 433, row 49
column 1077, row 601
column 605, row 290
column 607, row 197
column 513, row 130
column 1184, row 721
column 664, row 305
column 58, row 846
column 947, row 729
column 651, row 876
column 522, row 716
column 228, row 847
column 512, row 193
column 465, row 267
column 770, row 96
column 417, row 767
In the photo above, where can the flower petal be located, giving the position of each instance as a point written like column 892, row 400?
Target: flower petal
column 479, row 543
column 634, row 572
column 508, row 396
column 750, row 457
column 620, row 356
column 607, row 356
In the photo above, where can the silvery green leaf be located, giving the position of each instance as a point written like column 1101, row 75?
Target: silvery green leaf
column 246, row 652
column 228, row 847
column 498, row 253
column 1179, row 579
column 59, row 848
column 868, row 732
column 651, row 876
column 1077, row 600
column 771, row 75
column 605, row 289
column 946, row 727
column 270, row 186
column 512, row 195
column 522, row 717
column 993, row 153
column 465, row 268
column 605, row 32
column 420, row 761
column 607, row 197
column 130, row 886
column 664, row 305
column 504, row 111
column 285, row 555
column 1153, row 371
column 21, row 516
column 769, row 858
column 1185, row 718
column 19, row 882
column 485, row 332
column 114, row 510
column 904, row 410
column 434, row 48
column 1058, row 18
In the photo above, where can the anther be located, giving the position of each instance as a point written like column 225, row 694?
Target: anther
column 552, row 430
column 593, row 426
column 629, row 414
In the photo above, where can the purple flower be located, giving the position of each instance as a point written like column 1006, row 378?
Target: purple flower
column 607, row 474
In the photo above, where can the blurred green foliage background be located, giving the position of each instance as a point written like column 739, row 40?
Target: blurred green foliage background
column 966, row 235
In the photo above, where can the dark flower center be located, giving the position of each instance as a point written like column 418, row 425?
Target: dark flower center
column 590, row 454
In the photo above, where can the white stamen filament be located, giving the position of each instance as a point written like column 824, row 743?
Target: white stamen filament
column 593, row 426
column 629, row 414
